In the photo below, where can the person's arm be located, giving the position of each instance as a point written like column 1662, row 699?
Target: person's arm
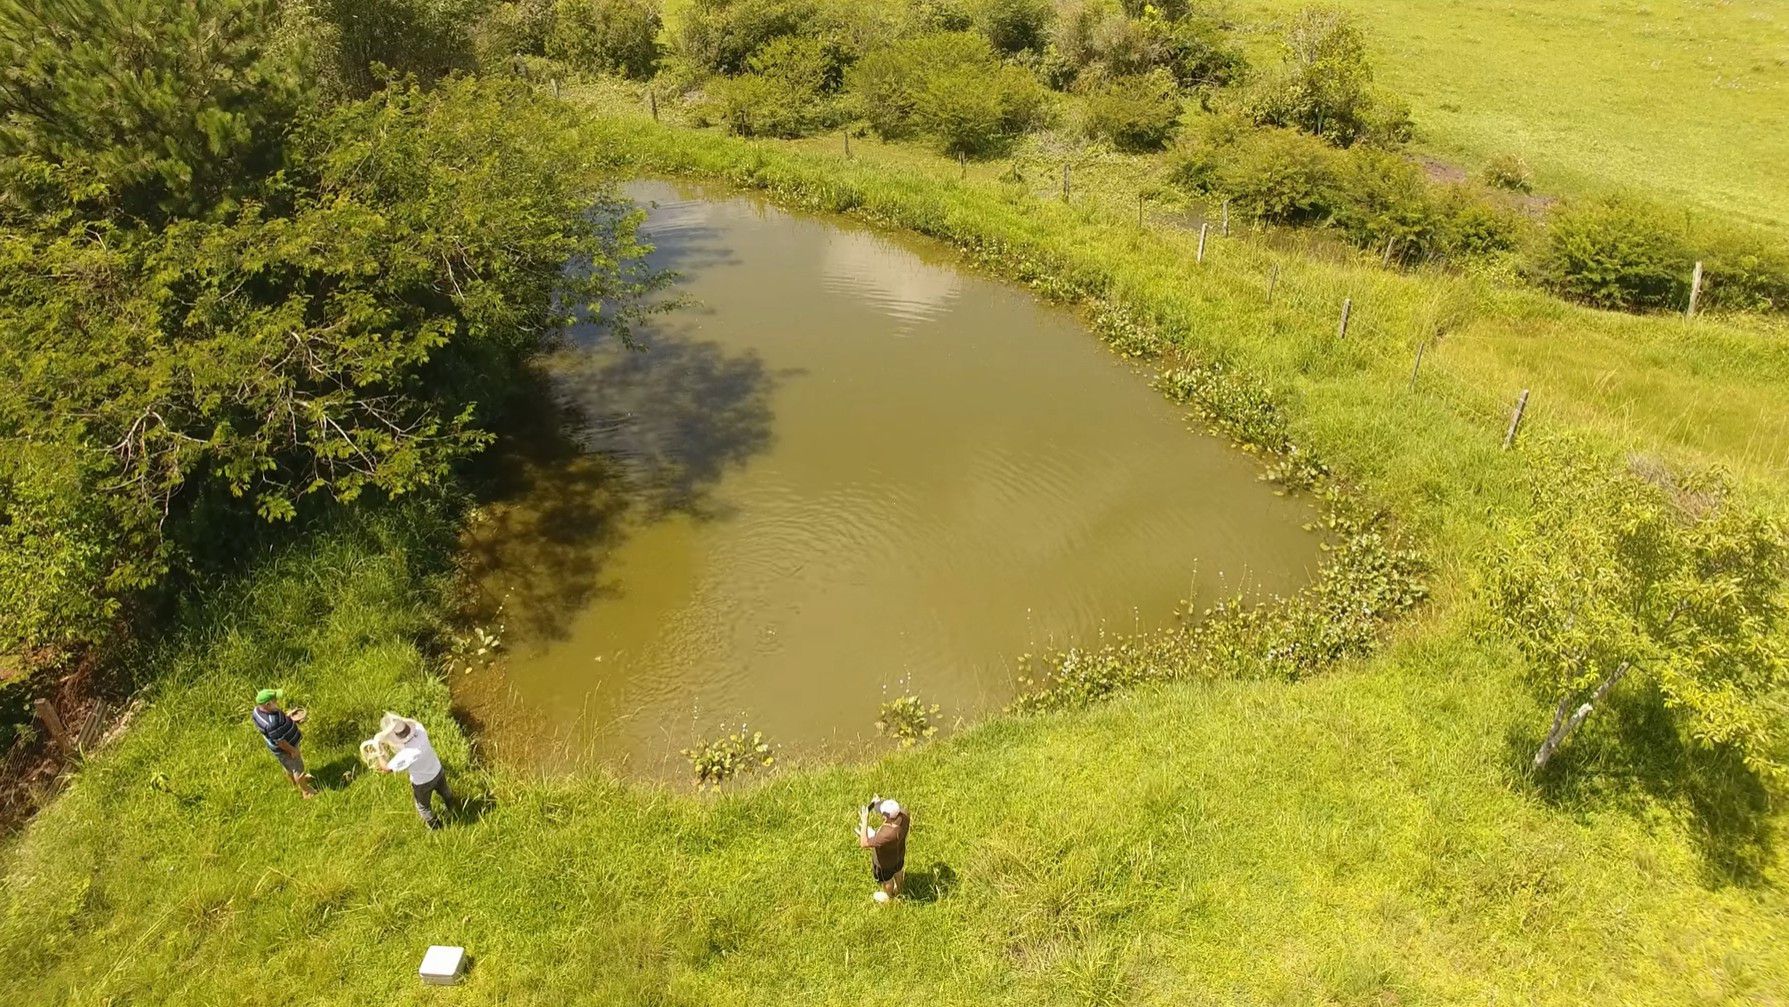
column 863, row 828
column 288, row 748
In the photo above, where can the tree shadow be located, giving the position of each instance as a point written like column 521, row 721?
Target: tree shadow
column 617, row 438
column 930, row 884
column 1631, row 756
column 470, row 809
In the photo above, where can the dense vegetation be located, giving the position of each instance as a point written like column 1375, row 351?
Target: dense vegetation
column 260, row 305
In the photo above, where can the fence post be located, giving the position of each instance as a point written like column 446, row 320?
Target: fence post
column 1273, row 280
column 1065, row 181
column 1226, row 227
column 652, row 102
column 1139, row 210
column 1419, row 363
column 1347, row 307
column 52, row 722
column 1203, row 227
column 1385, row 260
column 1695, row 290
column 1515, row 420
column 847, row 144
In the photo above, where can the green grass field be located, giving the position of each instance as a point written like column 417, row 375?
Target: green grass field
column 1677, row 98
column 1361, row 838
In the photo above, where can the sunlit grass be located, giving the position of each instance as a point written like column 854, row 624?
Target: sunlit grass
column 1678, row 98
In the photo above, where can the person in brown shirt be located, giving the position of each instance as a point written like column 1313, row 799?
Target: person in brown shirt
column 887, row 845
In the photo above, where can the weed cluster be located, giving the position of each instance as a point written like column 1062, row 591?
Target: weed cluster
column 907, row 719
column 717, row 760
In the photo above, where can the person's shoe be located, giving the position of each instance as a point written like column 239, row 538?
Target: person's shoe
column 880, row 895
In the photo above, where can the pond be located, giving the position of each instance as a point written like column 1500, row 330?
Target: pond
column 848, row 470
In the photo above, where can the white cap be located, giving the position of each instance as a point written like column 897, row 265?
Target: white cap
column 889, row 808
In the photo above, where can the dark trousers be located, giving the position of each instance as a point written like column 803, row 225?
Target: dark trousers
column 423, row 793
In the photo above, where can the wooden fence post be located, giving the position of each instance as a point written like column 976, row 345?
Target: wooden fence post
column 1065, row 181
column 652, row 102
column 1273, row 280
column 1515, row 420
column 1385, row 260
column 1347, row 307
column 1226, row 227
column 1695, row 290
column 1139, row 210
column 1203, row 227
column 52, row 722
column 847, row 144
column 1419, row 363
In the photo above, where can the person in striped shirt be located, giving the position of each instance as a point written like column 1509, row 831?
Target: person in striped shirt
column 282, row 735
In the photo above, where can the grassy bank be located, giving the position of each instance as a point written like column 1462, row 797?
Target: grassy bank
column 1363, row 837
column 1575, row 88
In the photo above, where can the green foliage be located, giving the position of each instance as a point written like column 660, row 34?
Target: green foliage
column 510, row 30
column 1276, row 175
column 1615, row 252
column 1509, row 171
column 1014, row 26
column 1102, row 37
column 202, row 111
column 1743, row 270
column 1384, row 198
column 1325, row 84
column 1667, row 576
column 1133, row 113
column 366, row 42
column 606, row 36
column 58, row 545
column 721, row 759
column 720, row 36
column 334, row 311
column 949, row 86
column 785, row 94
column 907, row 719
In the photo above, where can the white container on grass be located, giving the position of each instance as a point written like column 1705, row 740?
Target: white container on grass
column 442, row 965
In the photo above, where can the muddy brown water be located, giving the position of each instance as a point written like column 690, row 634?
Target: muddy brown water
column 849, row 470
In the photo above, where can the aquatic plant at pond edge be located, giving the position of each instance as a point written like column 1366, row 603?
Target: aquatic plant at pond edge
column 907, row 719
column 718, row 760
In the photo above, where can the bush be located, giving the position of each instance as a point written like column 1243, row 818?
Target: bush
column 720, row 36
column 509, row 30
column 1509, row 171
column 606, row 36
column 1014, row 26
column 1324, row 86
column 718, row 760
column 784, row 95
column 1744, row 271
column 950, row 86
column 1386, row 198
column 1276, row 175
column 1135, row 113
column 1615, row 252
column 908, row 720
column 62, row 560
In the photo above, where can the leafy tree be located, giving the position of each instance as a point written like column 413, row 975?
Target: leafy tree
column 509, row 30
column 1015, row 26
column 138, row 110
column 333, row 308
column 606, row 36
column 1138, row 112
column 1612, row 577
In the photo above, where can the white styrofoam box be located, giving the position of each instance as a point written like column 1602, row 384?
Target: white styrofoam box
column 441, row 965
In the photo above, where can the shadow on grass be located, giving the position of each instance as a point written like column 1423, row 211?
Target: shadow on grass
column 1631, row 756
column 470, row 809
column 930, row 884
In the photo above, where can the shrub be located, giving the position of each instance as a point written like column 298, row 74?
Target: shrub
column 1324, row 86
column 1743, row 271
column 950, row 86
column 509, row 30
column 908, row 720
column 720, row 36
column 1509, row 171
column 1197, row 49
column 62, row 559
column 606, row 36
column 1386, row 198
column 1276, row 175
column 784, row 95
column 1615, row 253
column 1014, row 26
column 1135, row 113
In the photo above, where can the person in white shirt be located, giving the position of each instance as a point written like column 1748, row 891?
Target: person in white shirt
column 427, row 776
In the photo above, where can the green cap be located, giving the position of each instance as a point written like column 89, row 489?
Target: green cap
column 268, row 695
